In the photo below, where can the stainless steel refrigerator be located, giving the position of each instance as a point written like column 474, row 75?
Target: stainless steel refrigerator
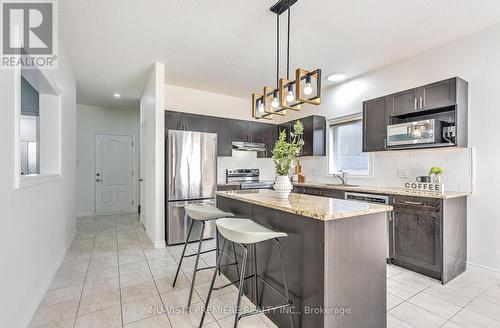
column 191, row 174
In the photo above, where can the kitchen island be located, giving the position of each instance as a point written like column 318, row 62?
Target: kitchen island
column 335, row 254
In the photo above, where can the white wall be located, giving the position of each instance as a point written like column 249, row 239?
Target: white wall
column 38, row 222
column 92, row 120
column 194, row 101
column 475, row 58
column 152, row 106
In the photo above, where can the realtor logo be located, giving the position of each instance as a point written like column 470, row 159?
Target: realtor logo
column 29, row 34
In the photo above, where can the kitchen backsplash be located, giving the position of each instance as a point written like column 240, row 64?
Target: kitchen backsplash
column 457, row 163
column 245, row 160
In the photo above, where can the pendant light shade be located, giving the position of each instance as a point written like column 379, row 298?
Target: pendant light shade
column 272, row 102
column 258, row 108
column 308, row 87
column 288, row 95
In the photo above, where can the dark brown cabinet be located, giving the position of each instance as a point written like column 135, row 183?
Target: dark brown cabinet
column 314, row 134
column 404, row 102
column 429, row 235
column 317, row 191
column 241, row 130
column 224, row 136
column 416, row 241
column 436, row 95
column 185, row 122
column 375, row 120
column 439, row 94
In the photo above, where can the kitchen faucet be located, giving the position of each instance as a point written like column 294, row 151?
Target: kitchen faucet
column 342, row 176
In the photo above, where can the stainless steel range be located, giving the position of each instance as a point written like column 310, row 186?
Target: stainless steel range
column 247, row 179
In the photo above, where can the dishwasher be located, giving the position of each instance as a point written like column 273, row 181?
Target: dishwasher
column 374, row 199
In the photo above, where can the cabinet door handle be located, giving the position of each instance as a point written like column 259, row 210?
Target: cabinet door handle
column 421, row 103
column 416, row 103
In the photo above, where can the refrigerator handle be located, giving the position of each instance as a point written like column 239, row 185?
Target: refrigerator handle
column 174, row 160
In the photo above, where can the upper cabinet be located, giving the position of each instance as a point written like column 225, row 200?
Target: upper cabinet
column 431, row 96
column 224, row 135
column 314, row 134
column 445, row 102
column 375, row 120
column 242, row 130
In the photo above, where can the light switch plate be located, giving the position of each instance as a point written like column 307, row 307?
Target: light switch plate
column 403, row 173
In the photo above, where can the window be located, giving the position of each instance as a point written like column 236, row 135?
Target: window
column 346, row 147
column 29, row 129
column 38, row 143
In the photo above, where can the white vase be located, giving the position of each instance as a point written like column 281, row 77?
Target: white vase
column 283, row 186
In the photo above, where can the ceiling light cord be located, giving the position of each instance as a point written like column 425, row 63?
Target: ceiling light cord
column 288, row 46
column 277, row 49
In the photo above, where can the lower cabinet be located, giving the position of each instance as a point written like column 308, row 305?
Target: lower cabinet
column 324, row 192
column 416, row 238
column 429, row 235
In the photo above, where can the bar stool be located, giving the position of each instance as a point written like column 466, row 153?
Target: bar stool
column 202, row 214
column 247, row 233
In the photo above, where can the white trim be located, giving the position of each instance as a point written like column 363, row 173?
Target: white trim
column 160, row 244
column 345, row 119
column 37, row 300
column 33, row 180
column 482, row 267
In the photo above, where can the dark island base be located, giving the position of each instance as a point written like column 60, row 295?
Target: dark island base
column 336, row 269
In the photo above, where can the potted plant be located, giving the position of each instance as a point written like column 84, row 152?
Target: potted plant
column 284, row 154
column 436, row 173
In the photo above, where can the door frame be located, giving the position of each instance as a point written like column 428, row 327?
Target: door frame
column 134, row 179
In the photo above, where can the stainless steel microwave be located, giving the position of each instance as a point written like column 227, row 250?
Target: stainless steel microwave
column 412, row 133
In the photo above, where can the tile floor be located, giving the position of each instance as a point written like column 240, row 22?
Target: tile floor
column 113, row 277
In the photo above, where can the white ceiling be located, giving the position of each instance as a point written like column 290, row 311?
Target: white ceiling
column 228, row 46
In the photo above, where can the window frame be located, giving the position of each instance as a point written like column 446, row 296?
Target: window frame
column 345, row 120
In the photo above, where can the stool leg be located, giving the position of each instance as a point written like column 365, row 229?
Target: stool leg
column 183, row 252
column 196, row 264
column 255, row 286
column 242, row 283
column 212, row 284
column 236, row 260
column 285, row 282
column 217, row 249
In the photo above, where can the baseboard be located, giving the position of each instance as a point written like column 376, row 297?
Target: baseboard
column 84, row 213
column 37, row 300
column 483, row 267
column 160, row 244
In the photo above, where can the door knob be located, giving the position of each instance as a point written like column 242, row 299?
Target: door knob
column 98, row 180
column 141, row 179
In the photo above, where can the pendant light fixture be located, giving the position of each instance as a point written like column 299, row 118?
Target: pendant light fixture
column 288, row 94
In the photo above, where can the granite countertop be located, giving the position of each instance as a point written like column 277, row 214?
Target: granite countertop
column 384, row 190
column 316, row 207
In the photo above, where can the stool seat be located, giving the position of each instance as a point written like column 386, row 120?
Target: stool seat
column 205, row 212
column 245, row 231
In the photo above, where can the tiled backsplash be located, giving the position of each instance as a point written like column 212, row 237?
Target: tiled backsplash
column 245, row 160
column 457, row 163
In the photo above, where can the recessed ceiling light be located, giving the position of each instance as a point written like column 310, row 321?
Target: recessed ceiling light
column 336, row 77
column 117, row 95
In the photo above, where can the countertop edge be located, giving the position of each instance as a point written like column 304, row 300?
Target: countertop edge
column 324, row 218
column 385, row 190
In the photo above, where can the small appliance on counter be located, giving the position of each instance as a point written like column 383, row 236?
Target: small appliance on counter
column 247, row 179
column 298, row 176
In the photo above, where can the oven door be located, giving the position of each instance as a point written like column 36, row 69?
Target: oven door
column 411, row 133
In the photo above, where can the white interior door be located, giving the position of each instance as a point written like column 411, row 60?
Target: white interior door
column 114, row 180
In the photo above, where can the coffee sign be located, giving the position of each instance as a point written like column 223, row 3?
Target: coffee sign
column 422, row 186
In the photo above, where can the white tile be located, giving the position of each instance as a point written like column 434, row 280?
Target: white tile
column 141, row 309
column 179, row 298
column 417, row 316
column 393, row 301
column 100, row 286
column 469, row 319
column 435, row 305
column 450, row 324
column 451, row 294
column 393, row 270
column 56, row 312
column 55, row 296
column 400, row 290
column 137, row 292
column 247, row 322
column 394, row 322
column 486, row 309
column 415, row 280
column 159, row 321
column 98, row 302
column 107, row 318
